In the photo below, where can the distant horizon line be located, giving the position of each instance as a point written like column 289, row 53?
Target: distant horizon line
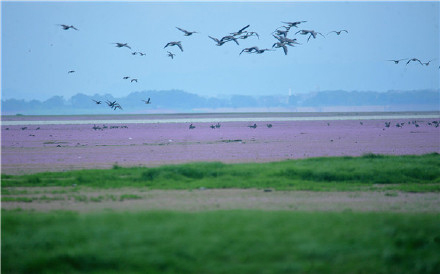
column 288, row 93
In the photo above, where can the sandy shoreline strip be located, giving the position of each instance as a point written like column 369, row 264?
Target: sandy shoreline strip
column 218, row 119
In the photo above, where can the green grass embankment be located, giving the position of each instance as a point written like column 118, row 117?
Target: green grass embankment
column 416, row 173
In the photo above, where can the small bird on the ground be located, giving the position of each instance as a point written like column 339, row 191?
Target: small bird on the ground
column 178, row 43
column 186, row 33
column 66, row 27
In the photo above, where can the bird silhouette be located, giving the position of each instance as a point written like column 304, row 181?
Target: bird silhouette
column 241, row 31
column 281, row 32
column 134, row 80
column 66, row 27
column 229, row 38
column 249, row 34
column 281, row 45
column 97, row 102
column 147, row 101
column 293, row 24
column 338, row 32
column 170, row 54
column 125, row 77
column 186, row 33
column 311, row 32
column 414, row 60
column 219, row 42
column 260, row 51
column 192, row 126
column 179, row 44
column 120, row 45
column 427, row 63
column 397, row 61
column 71, row 71
column 249, row 50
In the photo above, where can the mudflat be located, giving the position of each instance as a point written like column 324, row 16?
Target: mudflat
column 141, row 199
column 36, row 147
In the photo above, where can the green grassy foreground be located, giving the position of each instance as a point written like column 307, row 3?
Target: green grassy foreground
column 220, row 242
column 416, row 173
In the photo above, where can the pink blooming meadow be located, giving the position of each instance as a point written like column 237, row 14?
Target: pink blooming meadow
column 57, row 147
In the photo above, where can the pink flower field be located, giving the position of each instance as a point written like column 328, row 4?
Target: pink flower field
column 56, row 147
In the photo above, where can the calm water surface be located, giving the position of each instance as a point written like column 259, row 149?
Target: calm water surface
column 208, row 118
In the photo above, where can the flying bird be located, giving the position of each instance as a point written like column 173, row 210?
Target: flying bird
column 229, row 38
column 282, row 32
column 281, row 45
column 97, row 102
column 147, row 101
column 71, row 71
column 113, row 105
column 134, row 80
column 241, row 31
column 427, row 63
column 179, row 44
column 249, row 50
column 125, row 77
column 219, row 42
column 260, row 51
column 311, row 32
column 186, row 33
column 249, row 34
column 66, row 27
column 170, row 54
column 397, row 61
column 293, row 24
column 120, row 45
column 337, row 32
column 414, row 60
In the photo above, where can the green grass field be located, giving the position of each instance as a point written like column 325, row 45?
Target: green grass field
column 231, row 241
column 406, row 173
column 220, row 242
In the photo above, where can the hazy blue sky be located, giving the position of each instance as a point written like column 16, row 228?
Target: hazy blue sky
column 37, row 53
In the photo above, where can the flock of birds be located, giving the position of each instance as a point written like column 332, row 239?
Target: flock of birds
column 411, row 60
column 280, row 34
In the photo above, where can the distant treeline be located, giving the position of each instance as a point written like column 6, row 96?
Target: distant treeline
column 181, row 101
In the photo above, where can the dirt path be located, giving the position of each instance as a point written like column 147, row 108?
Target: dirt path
column 130, row 199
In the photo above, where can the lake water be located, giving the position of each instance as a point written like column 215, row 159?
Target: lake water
column 208, row 118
